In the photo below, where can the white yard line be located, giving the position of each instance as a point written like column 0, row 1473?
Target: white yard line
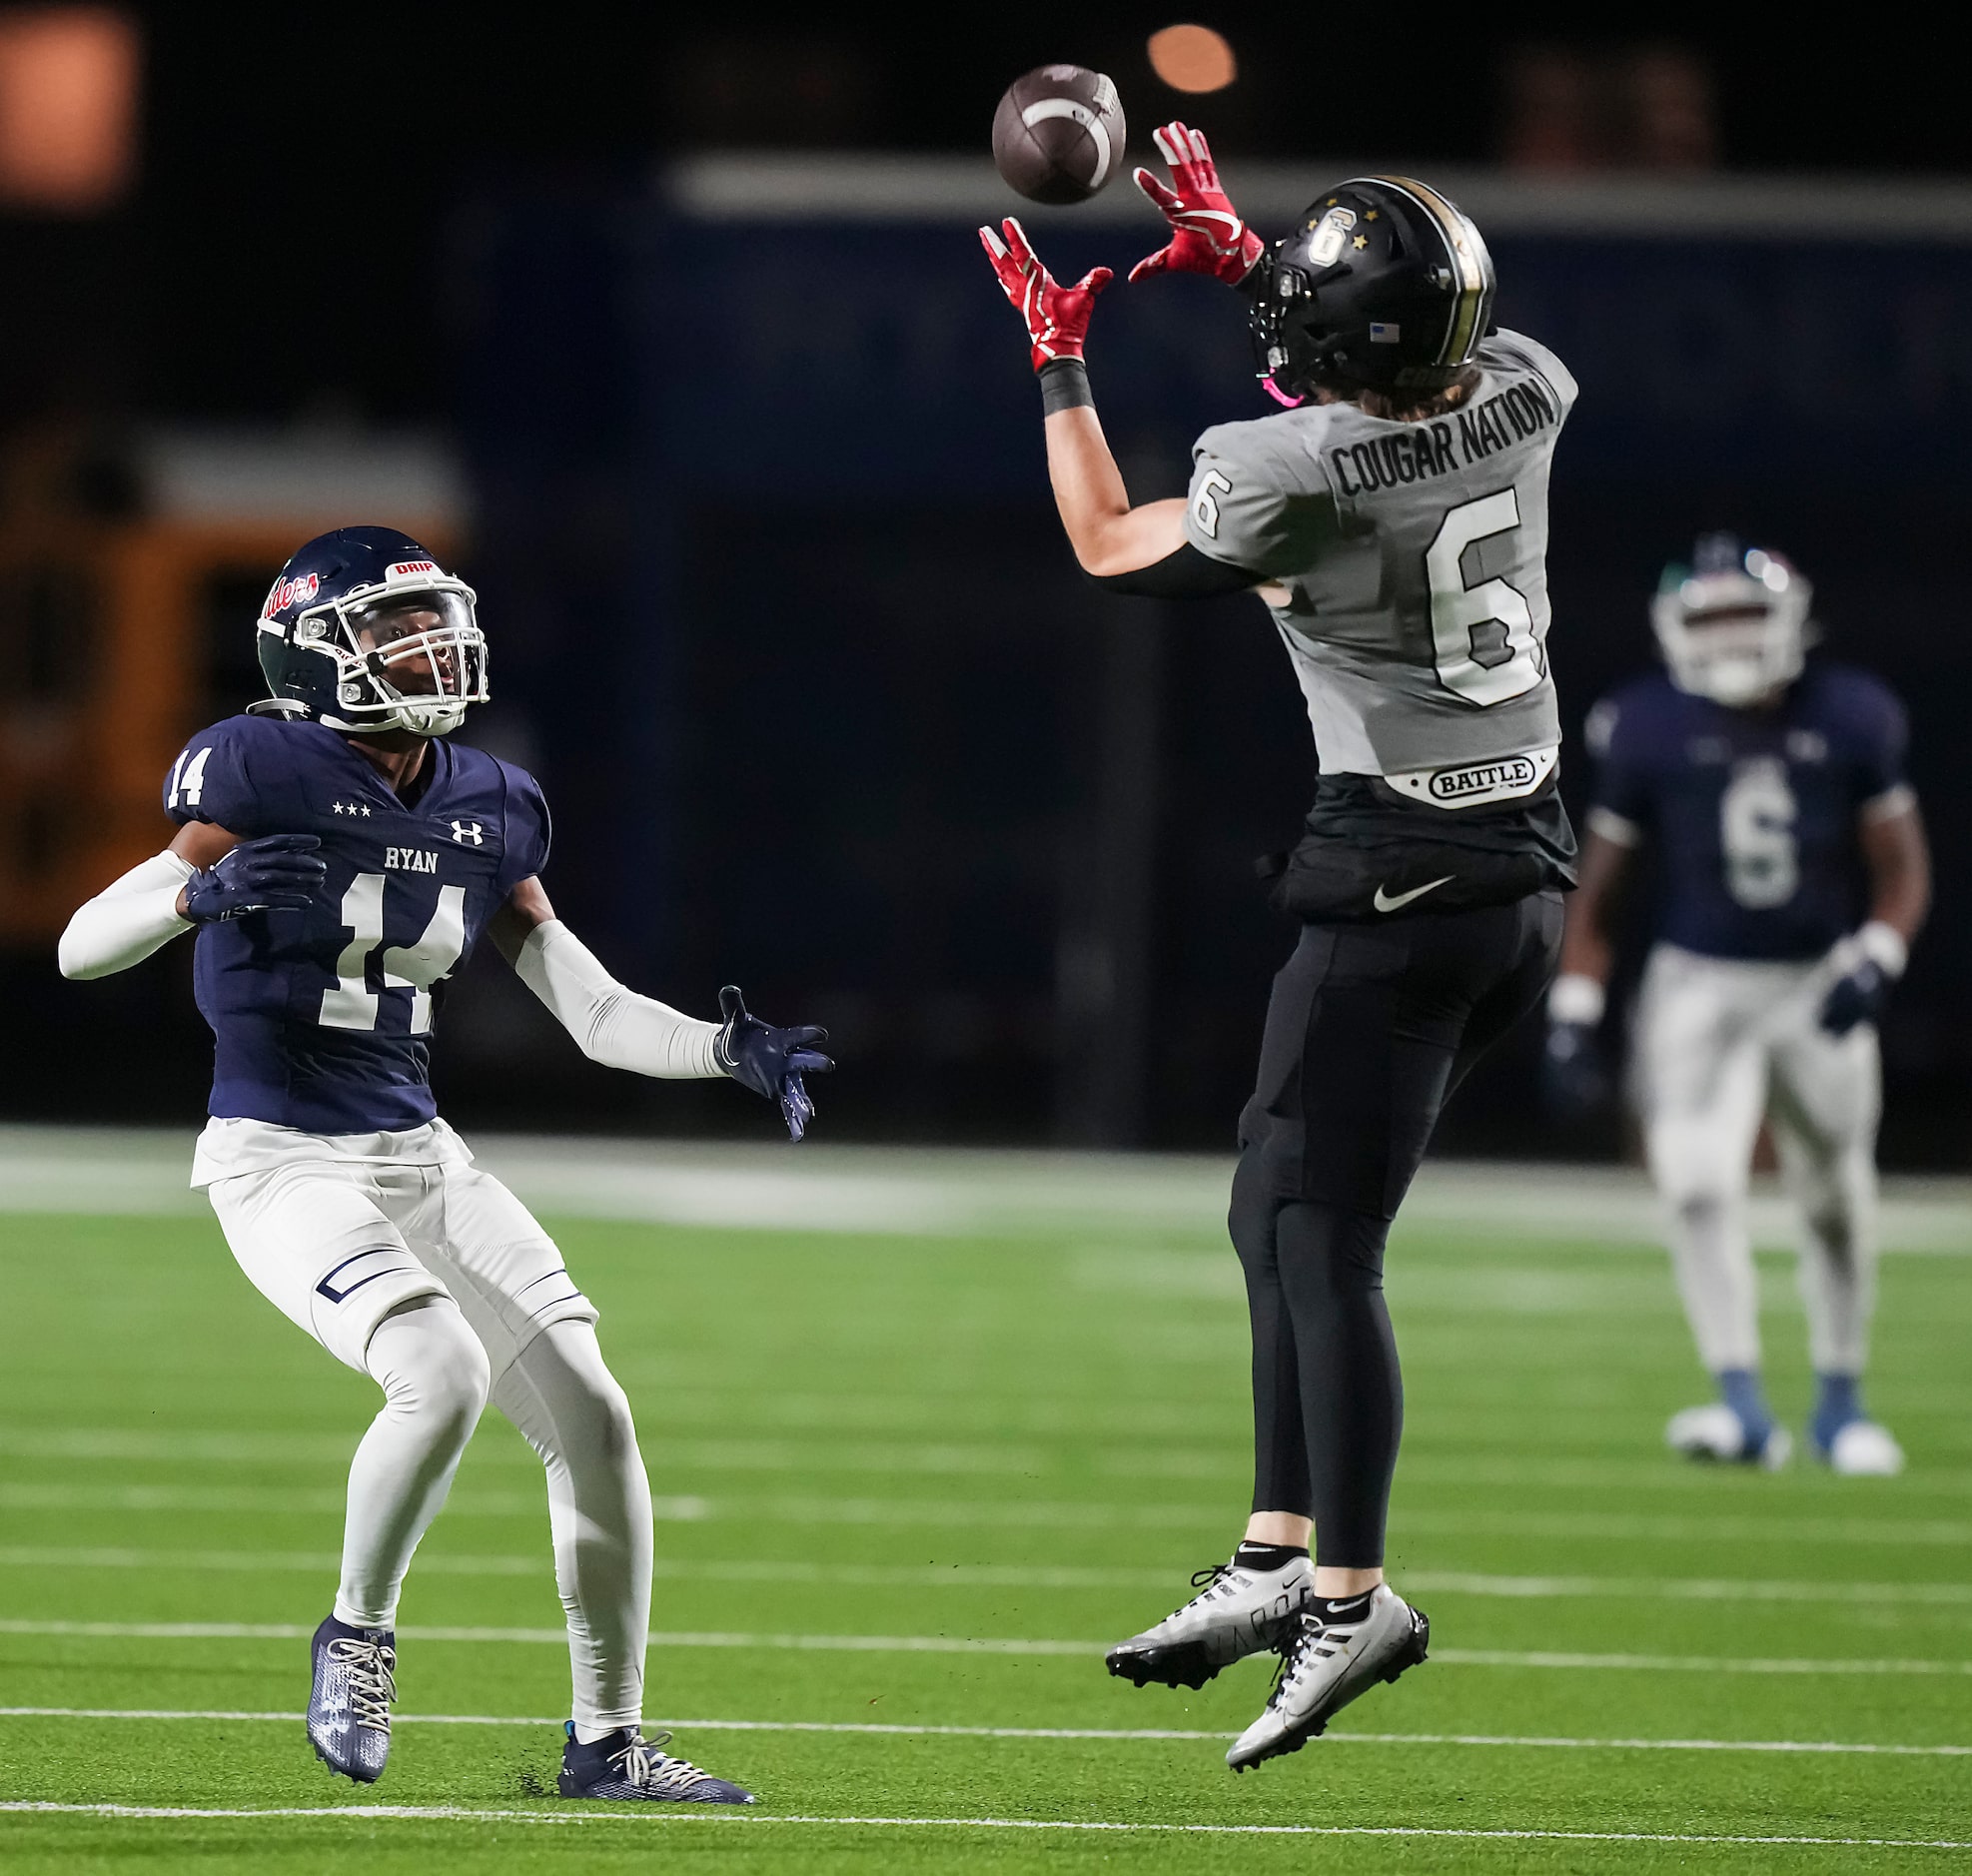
column 557, row 1637
column 1696, row 1664
column 1508, row 1740
column 951, row 1644
column 1145, row 1511
column 105, row 1557
column 742, row 1570
column 784, row 1571
column 1685, row 1589
column 656, row 1815
column 1892, row 1533
column 1426, row 1582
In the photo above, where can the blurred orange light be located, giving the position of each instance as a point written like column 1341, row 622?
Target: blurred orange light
column 68, row 107
column 1193, row 58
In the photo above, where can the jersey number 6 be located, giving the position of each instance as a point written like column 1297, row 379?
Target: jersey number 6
column 350, row 1003
column 1483, row 638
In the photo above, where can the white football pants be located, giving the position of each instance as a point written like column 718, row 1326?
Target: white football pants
column 431, row 1276
column 1721, row 1042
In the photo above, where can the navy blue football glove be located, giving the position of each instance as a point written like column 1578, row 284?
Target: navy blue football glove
column 771, row 1061
column 1575, row 1077
column 1858, row 997
column 278, row 873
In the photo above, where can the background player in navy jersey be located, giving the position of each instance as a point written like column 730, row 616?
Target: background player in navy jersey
column 338, row 859
column 1793, row 877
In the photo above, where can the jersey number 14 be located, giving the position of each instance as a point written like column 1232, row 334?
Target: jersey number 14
column 350, row 1003
column 1482, row 636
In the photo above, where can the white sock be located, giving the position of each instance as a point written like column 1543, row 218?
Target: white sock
column 1714, row 1257
column 433, row 1374
column 561, row 1395
column 1838, row 1254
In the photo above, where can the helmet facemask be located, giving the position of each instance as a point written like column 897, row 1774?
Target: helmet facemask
column 1288, row 353
column 1734, row 632
column 406, row 657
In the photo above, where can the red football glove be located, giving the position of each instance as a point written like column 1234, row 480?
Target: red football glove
column 1057, row 316
column 1208, row 236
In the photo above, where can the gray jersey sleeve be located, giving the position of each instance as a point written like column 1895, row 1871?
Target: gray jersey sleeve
column 1516, row 351
column 1255, row 503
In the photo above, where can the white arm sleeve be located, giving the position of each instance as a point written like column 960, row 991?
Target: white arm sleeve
column 128, row 920
column 610, row 1024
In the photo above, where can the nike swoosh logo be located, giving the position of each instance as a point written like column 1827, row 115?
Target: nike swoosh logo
column 1384, row 902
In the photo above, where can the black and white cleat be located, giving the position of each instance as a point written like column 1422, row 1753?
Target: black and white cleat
column 349, row 1705
column 1239, row 1611
column 626, row 1766
column 1325, row 1667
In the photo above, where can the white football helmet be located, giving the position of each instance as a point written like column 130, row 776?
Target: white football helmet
column 1733, row 625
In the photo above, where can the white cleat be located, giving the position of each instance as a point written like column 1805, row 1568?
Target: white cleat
column 1326, row 1666
column 1240, row 1611
column 1865, row 1449
column 1714, row 1432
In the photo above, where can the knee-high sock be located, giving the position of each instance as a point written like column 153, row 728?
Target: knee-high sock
column 1828, row 1096
column 1701, row 1172
column 563, row 1398
column 1280, row 1447
column 1714, row 1257
column 433, row 1374
column 1319, row 1267
column 1836, row 1191
column 1706, row 1086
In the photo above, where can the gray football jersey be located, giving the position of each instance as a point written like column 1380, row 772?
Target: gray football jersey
column 1414, row 558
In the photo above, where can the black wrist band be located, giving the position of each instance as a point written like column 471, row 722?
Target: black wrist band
column 1065, row 386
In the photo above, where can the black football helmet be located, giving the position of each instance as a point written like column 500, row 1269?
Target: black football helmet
column 1384, row 286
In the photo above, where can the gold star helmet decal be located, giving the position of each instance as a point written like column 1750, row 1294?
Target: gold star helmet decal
column 1362, row 241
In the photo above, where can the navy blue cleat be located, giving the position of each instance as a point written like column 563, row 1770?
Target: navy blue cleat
column 625, row 1764
column 349, row 1707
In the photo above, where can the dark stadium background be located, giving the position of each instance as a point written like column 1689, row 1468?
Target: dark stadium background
column 760, row 527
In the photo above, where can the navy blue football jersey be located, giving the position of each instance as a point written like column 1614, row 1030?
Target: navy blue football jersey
column 1754, row 814
column 322, row 1019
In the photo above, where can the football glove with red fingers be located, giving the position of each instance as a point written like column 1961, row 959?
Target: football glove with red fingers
column 1208, row 234
column 1057, row 316
column 771, row 1061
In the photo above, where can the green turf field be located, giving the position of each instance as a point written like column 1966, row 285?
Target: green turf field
column 909, row 1482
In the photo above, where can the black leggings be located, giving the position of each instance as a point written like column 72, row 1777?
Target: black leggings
column 1370, row 1029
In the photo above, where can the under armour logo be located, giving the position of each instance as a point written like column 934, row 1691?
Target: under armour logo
column 462, row 832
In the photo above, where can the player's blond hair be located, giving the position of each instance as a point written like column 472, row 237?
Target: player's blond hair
column 1402, row 406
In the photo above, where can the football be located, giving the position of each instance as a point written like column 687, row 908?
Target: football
column 1058, row 134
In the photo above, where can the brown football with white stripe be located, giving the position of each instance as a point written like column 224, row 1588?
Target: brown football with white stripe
column 1058, row 134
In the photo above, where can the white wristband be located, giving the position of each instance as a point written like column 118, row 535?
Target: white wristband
column 1883, row 945
column 1576, row 998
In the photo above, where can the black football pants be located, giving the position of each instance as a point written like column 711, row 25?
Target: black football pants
column 1370, row 1029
